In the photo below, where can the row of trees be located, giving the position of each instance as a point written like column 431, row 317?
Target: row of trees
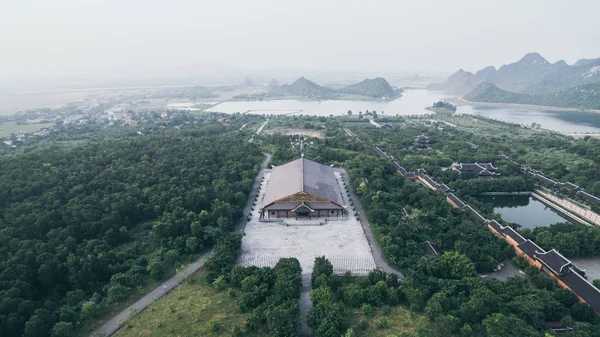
column 82, row 226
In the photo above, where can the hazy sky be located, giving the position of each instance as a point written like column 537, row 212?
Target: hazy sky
column 48, row 38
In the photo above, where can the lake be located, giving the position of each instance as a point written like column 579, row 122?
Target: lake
column 523, row 210
column 413, row 102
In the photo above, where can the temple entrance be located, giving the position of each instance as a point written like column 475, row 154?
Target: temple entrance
column 303, row 212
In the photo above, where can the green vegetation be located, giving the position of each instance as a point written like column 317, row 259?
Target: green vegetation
column 195, row 308
column 266, row 300
column 357, row 306
column 83, row 226
column 442, row 107
column 583, row 97
column 571, row 239
column 93, row 215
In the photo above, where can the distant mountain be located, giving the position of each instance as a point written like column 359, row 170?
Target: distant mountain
column 460, row 82
column 532, row 74
column 248, row 82
column 304, row 88
column 377, row 87
column 586, row 96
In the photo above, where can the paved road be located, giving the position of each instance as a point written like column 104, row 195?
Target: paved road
column 364, row 221
column 113, row 325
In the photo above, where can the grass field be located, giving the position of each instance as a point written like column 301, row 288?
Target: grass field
column 193, row 309
column 400, row 322
column 7, row 129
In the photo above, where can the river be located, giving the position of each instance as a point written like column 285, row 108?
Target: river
column 413, row 102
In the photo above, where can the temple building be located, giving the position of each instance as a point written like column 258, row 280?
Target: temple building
column 303, row 189
column 482, row 170
column 422, row 142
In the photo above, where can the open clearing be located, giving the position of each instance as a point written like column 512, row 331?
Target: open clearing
column 7, row 129
column 399, row 321
column 343, row 241
column 193, row 309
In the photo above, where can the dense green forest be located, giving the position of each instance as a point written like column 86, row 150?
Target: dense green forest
column 82, row 225
column 453, row 300
column 586, row 96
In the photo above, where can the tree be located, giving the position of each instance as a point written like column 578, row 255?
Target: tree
column 117, row 293
column 349, row 113
column 322, row 266
column 63, row 329
column 500, row 325
column 283, row 320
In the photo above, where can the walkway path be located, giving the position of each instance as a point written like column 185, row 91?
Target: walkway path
column 115, row 323
column 305, row 306
column 364, row 221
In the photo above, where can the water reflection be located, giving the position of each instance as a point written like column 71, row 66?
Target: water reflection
column 523, row 210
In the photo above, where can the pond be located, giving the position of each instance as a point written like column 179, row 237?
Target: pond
column 413, row 102
column 523, row 210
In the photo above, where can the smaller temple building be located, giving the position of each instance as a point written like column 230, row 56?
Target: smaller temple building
column 482, row 170
column 302, row 189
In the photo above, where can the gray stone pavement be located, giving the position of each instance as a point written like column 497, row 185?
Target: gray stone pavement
column 509, row 270
column 115, row 323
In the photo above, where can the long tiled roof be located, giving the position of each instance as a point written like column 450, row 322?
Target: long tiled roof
column 456, row 200
column 554, row 260
column 530, row 248
column 475, row 214
column 431, row 248
column 591, row 198
column 544, row 179
column 508, row 231
column 302, row 175
column 583, row 288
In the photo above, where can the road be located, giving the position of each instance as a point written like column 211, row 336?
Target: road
column 364, row 221
column 113, row 325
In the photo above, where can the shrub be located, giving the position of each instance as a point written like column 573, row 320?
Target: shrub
column 382, row 323
column 366, row 309
column 363, row 324
column 214, row 325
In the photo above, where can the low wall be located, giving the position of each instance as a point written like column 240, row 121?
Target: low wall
column 506, row 193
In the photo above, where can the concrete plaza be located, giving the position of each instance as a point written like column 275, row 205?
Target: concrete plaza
column 341, row 240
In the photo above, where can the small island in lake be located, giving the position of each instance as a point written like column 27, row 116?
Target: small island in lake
column 442, row 107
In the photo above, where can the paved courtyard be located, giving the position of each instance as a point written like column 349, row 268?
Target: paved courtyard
column 343, row 242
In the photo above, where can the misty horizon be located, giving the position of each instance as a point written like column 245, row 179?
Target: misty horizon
column 67, row 39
